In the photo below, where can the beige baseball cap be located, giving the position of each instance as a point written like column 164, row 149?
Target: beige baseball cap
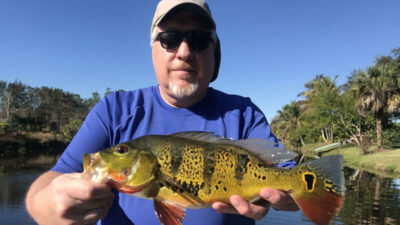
column 166, row 6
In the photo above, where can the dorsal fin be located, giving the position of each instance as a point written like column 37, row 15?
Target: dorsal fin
column 265, row 150
column 201, row 136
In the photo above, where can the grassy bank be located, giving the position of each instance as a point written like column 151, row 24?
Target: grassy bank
column 30, row 145
column 386, row 163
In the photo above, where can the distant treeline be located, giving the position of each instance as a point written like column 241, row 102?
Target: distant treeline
column 364, row 110
column 50, row 110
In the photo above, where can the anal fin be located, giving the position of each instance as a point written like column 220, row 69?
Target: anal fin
column 169, row 214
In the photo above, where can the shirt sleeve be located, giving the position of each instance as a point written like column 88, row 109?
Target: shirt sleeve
column 287, row 165
column 93, row 136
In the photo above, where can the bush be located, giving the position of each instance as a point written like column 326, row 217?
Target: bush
column 391, row 136
column 69, row 130
column 4, row 128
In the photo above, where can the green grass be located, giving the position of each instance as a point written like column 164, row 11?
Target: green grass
column 386, row 163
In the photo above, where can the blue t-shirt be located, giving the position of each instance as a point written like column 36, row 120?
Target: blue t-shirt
column 123, row 116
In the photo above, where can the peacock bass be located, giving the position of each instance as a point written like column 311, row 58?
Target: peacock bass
column 195, row 169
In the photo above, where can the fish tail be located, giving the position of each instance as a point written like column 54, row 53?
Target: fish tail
column 323, row 193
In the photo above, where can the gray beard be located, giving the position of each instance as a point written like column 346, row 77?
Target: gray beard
column 181, row 92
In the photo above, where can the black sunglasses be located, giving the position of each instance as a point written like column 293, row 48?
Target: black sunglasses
column 197, row 40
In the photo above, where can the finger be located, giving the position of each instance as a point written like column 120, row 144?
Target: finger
column 222, row 207
column 240, row 204
column 89, row 211
column 82, row 206
column 274, row 196
column 82, row 189
column 258, row 212
column 94, row 215
column 250, row 210
column 279, row 199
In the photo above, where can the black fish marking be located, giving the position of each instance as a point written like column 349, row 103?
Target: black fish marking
column 309, row 178
column 209, row 163
column 241, row 167
column 176, row 159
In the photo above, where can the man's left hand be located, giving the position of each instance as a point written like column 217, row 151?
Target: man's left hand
column 279, row 200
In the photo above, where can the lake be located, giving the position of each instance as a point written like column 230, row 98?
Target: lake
column 370, row 199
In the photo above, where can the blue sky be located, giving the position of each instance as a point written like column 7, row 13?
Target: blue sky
column 270, row 49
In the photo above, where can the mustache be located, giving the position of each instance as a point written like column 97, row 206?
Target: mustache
column 184, row 66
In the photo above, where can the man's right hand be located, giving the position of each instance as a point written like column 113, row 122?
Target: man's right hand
column 56, row 198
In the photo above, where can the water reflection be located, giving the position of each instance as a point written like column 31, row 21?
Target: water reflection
column 12, row 194
column 370, row 199
column 15, row 179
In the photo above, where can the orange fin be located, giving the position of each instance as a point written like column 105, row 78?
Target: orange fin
column 124, row 188
column 321, row 210
column 169, row 214
column 324, row 189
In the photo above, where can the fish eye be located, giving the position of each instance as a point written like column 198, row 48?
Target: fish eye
column 121, row 149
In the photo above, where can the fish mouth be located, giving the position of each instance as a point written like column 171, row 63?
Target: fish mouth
column 93, row 170
column 126, row 188
column 90, row 160
column 96, row 171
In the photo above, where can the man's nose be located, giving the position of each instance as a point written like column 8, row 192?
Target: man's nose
column 184, row 51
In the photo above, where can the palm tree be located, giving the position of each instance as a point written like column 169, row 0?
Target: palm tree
column 377, row 91
column 287, row 122
column 320, row 103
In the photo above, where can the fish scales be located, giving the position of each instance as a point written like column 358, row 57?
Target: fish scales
column 195, row 169
column 212, row 172
column 193, row 165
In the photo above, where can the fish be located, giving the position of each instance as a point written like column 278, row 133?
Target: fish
column 195, row 169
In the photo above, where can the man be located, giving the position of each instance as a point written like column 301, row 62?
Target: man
column 186, row 57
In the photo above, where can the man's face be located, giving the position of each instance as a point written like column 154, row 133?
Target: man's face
column 183, row 73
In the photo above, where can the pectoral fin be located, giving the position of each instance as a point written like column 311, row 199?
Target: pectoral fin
column 169, row 214
column 126, row 189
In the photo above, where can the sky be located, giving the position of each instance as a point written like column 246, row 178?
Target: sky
column 270, row 48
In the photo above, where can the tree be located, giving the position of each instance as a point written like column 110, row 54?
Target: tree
column 287, row 123
column 90, row 102
column 69, row 130
column 3, row 94
column 16, row 105
column 350, row 121
column 108, row 91
column 377, row 92
column 321, row 105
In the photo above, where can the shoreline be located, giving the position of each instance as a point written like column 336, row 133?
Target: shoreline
column 385, row 164
column 30, row 145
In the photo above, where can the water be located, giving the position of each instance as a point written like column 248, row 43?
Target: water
column 12, row 194
column 370, row 199
column 15, row 178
